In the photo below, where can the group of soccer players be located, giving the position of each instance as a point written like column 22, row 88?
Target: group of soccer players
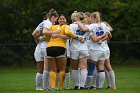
column 83, row 44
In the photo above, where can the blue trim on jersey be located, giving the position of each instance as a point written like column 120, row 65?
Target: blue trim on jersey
column 79, row 32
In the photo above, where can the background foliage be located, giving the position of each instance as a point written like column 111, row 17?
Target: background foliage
column 20, row 17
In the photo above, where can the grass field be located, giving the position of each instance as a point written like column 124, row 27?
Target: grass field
column 16, row 80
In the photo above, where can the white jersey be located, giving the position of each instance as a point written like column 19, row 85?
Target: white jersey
column 76, row 45
column 39, row 28
column 46, row 24
column 68, row 48
column 98, row 30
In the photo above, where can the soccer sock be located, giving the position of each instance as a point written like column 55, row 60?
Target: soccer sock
column 56, row 84
column 112, row 78
column 75, row 77
column 89, row 80
column 38, row 79
column 101, row 79
column 83, row 77
column 97, row 80
column 61, row 76
column 107, row 78
column 94, row 78
column 52, row 79
column 67, row 79
column 91, row 67
column 46, row 82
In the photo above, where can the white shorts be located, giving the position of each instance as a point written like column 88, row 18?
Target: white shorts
column 107, row 54
column 79, row 54
column 97, row 55
column 39, row 56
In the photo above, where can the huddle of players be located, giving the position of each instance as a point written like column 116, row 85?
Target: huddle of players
column 83, row 44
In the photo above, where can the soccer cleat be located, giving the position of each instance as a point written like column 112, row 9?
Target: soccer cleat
column 67, row 87
column 113, row 88
column 108, row 87
column 52, row 89
column 91, row 87
column 46, row 89
column 76, row 88
column 87, row 87
column 39, row 89
column 82, row 88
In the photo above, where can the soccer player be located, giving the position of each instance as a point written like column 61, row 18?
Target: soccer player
column 98, row 30
column 79, row 53
column 56, row 53
column 51, row 19
column 40, row 51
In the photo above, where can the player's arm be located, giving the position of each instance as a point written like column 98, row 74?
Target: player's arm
column 47, row 32
column 60, row 36
column 96, row 38
column 82, row 26
column 36, row 34
column 111, row 29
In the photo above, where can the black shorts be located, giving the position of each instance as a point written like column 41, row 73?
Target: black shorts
column 55, row 51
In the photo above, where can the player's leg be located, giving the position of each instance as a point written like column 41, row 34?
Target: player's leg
column 67, row 74
column 40, row 66
column 61, row 65
column 91, row 67
column 111, row 73
column 100, row 74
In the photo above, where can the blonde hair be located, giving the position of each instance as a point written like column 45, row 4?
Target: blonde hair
column 79, row 15
column 73, row 15
column 96, row 16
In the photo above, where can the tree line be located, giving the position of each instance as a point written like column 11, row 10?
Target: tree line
column 20, row 17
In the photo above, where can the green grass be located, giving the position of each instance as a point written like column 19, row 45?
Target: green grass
column 16, row 80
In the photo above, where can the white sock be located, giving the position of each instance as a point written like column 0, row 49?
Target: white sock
column 89, row 80
column 75, row 77
column 67, row 79
column 38, row 79
column 107, row 77
column 97, row 80
column 101, row 79
column 94, row 78
column 83, row 77
column 112, row 78
column 46, row 83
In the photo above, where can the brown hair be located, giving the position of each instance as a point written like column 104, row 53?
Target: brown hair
column 44, row 15
column 88, row 14
column 52, row 12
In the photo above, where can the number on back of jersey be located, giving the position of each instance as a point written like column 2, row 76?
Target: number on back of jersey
column 99, row 31
column 79, row 32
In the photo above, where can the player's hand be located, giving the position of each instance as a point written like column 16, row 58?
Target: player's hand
column 57, row 32
column 54, row 35
column 81, row 38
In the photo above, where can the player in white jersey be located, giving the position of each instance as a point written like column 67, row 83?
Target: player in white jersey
column 79, row 53
column 98, row 31
column 110, row 75
column 40, row 52
column 52, row 17
column 67, row 70
column 91, row 65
